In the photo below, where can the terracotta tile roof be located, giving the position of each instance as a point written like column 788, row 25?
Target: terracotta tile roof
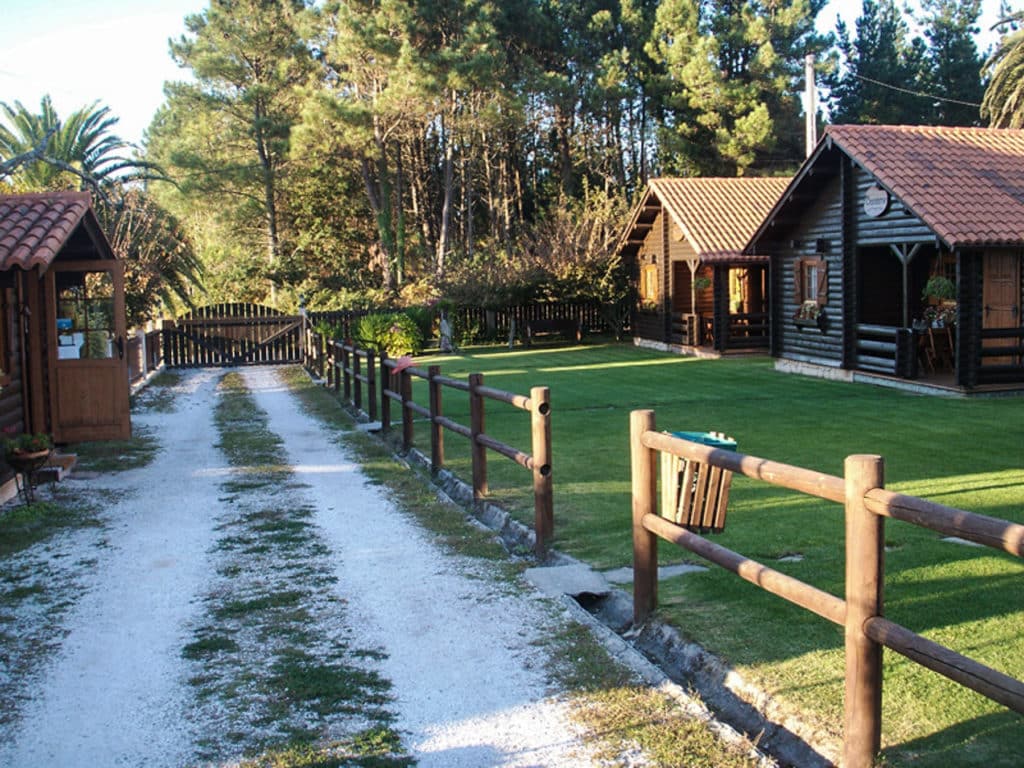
column 34, row 228
column 966, row 184
column 718, row 215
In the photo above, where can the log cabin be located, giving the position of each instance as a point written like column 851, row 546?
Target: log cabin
column 696, row 291
column 874, row 220
column 62, row 322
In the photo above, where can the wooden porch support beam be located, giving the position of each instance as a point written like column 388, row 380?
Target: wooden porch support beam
column 905, row 258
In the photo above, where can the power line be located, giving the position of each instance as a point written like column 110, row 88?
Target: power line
column 916, row 93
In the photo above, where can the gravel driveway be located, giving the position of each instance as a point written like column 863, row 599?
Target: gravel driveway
column 150, row 616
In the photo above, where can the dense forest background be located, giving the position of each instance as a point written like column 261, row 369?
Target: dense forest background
column 382, row 152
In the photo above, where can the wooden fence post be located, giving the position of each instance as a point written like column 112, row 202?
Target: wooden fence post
column 335, row 356
column 346, row 377
column 332, row 369
column 476, row 428
column 436, row 430
column 371, row 384
column 645, row 488
column 167, row 328
column 865, row 566
column 543, row 501
column 405, row 379
column 357, row 384
column 385, row 401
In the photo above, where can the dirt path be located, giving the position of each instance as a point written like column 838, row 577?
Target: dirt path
column 117, row 687
column 460, row 649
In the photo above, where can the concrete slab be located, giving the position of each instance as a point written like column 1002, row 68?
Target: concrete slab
column 369, row 426
column 625, row 575
column 573, row 580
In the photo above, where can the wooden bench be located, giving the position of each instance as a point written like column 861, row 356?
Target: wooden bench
column 566, row 327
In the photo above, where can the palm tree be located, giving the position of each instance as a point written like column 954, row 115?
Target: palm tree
column 1003, row 103
column 39, row 153
column 82, row 151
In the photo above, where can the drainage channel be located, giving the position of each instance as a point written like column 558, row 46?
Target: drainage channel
column 657, row 652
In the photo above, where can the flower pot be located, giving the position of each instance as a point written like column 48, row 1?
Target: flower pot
column 27, row 461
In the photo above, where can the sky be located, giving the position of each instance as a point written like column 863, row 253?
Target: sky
column 116, row 52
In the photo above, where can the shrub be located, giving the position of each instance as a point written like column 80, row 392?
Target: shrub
column 395, row 333
column 424, row 317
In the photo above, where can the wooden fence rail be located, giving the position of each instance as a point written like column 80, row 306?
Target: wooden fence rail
column 867, row 504
column 396, row 385
column 341, row 365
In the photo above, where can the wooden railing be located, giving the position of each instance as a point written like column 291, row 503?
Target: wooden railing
column 866, row 503
column 347, row 368
column 887, row 349
column 396, row 385
column 747, row 330
column 1002, row 355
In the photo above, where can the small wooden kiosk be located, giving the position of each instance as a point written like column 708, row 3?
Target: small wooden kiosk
column 62, row 321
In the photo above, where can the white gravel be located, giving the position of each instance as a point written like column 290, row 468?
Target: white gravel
column 114, row 695
column 460, row 648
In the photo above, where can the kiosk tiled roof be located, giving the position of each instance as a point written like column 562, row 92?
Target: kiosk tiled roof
column 34, row 228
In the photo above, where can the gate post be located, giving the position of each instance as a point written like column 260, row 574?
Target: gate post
column 357, row 384
column 336, row 365
column 543, row 502
column 436, row 430
column 643, row 462
column 476, row 428
column 346, row 378
column 385, row 401
column 371, row 384
column 865, row 564
column 405, row 380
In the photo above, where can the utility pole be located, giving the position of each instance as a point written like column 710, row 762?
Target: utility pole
column 810, row 104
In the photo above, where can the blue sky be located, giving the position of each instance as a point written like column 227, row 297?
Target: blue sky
column 115, row 51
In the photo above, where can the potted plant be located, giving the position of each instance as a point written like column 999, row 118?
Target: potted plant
column 940, row 292
column 811, row 315
column 27, row 447
column 939, row 288
column 26, row 453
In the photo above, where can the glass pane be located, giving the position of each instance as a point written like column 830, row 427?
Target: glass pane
column 85, row 315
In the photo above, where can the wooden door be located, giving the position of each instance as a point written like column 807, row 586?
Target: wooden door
column 1001, row 297
column 89, row 392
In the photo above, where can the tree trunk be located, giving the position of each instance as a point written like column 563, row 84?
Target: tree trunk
column 443, row 235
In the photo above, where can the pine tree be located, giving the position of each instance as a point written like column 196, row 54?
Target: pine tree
column 732, row 73
column 952, row 67
column 227, row 133
column 877, row 62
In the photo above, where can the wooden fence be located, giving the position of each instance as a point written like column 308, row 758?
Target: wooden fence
column 347, row 368
column 866, row 630
column 144, row 352
column 232, row 334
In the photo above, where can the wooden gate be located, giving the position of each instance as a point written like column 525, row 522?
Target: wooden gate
column 232, row 334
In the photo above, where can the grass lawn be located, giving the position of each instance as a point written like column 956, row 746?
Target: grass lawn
column 963, row 453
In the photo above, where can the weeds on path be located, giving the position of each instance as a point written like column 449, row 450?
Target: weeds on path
column 627, row 722
column 273, row 672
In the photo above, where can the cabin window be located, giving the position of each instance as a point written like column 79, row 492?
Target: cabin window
column 85, row 315
column 649, row 283
column 811, row 281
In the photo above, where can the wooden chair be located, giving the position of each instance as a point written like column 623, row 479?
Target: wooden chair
column 940, row 341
